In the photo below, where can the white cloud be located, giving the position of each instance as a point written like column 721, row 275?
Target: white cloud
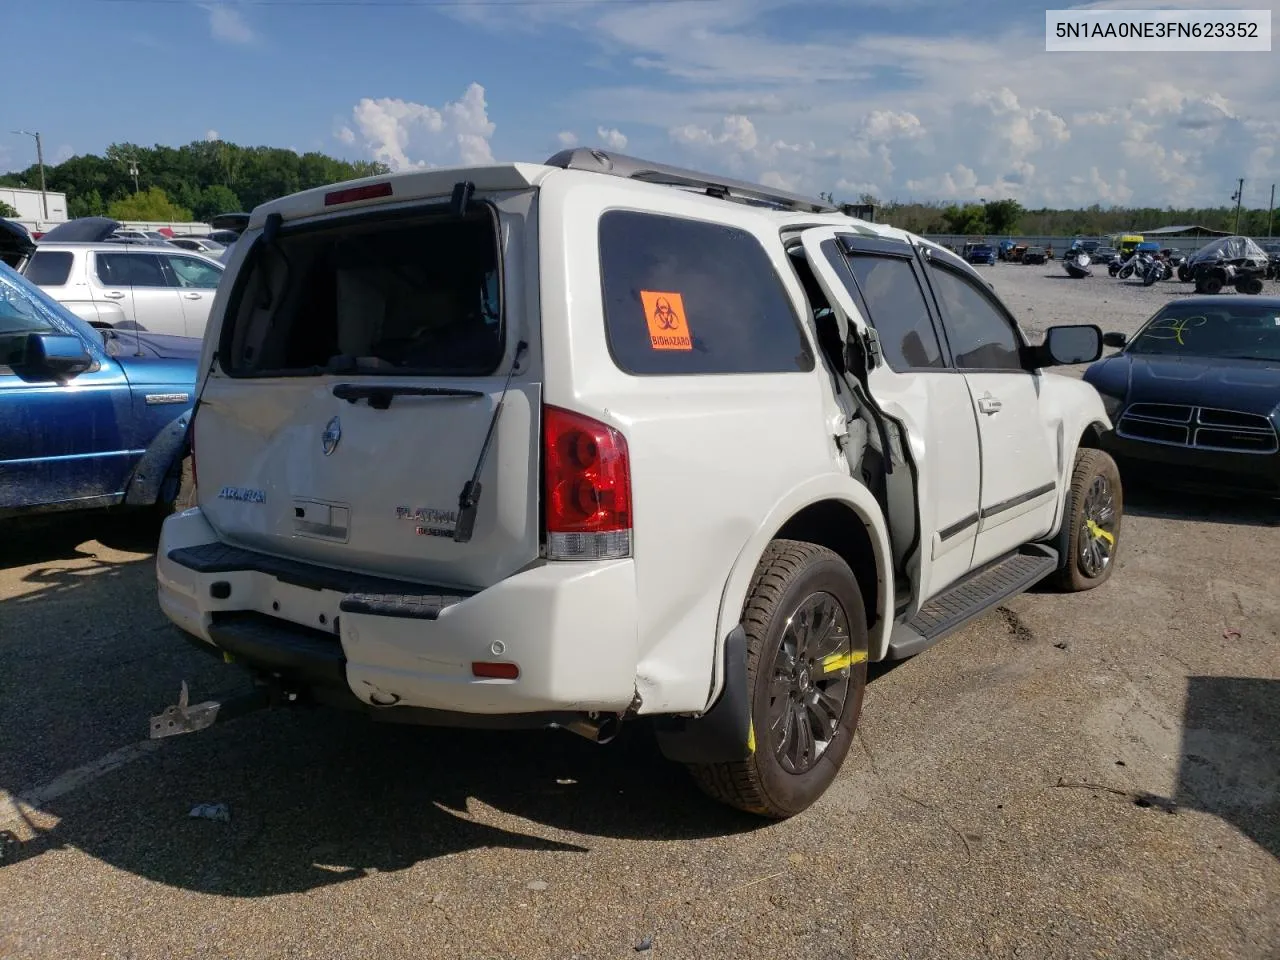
column 890, row 125
column 613, row 138
column 226, row 23
column 211, row 135
column 405, row 135
column 567, row 138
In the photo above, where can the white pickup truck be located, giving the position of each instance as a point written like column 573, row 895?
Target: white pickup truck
column 580, row 442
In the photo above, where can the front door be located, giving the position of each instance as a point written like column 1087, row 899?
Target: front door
column 59, row 442
column 877, row 282
column 197, row 282
column 1020, row 451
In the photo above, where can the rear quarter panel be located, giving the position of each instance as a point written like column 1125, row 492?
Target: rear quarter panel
column 711, row 456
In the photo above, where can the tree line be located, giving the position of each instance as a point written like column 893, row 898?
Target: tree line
column 208, row 177
column 1009, row 218
column 192, row 182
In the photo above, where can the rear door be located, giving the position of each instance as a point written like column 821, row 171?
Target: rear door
column 157, row 304
column 360, row 366
column 880, row 281
column 1020, row 450
column 197, row 282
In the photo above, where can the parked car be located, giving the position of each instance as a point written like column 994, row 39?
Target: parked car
column 1272, row 250
column 165, row 291
column 16, row 243
column 638, row 455
column 210, row 248
column 1035, row 255
column 1104, row 255
column 982, row 253
column 1195, row 395
column 224, row 237
column 88, row 418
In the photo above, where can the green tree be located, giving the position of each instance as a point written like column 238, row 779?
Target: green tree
column 152, row 204
column 7, row 211
column 214, row 200
column 86, row 205
column 966, row 219
column 1003, row 215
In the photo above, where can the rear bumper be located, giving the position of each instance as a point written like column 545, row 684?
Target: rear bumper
column 1187, row 468
column 570, row 627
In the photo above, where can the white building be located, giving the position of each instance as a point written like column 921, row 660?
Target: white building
column 29, row 207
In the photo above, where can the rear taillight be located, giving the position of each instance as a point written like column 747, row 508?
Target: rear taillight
column 588, row 488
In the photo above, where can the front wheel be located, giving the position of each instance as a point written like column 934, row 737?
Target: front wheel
column 1090, row 534
column 806, row 672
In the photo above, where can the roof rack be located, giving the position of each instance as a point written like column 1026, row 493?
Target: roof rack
column 594, row 160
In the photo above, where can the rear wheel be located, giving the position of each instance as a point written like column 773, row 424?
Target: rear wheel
column 1210, row 284
column 806, row 672
column 1090, row 534
column 1250, row 285
column 1184, row 275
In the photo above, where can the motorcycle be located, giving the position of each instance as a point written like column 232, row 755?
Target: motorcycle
column 1078, row 265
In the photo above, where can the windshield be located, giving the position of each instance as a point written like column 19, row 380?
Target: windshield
column 1243, row 331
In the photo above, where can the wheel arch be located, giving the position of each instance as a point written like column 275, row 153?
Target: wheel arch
column 835, row 512
column 149, row 473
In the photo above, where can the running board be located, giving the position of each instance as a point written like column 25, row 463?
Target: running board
column 971, row 597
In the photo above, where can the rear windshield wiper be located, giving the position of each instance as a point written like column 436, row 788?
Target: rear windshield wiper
column 379, row 397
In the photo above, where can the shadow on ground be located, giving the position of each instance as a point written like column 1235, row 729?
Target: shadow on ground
column 1230, row 761
column 316, row 797
column 1145, row 500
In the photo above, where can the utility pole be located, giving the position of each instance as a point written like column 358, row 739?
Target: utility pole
column 1237, row 197
column 133, row 172
column 1271, row 209
column 44, row 194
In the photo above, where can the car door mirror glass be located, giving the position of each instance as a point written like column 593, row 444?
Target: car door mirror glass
column 55, row 357
column 1068, row 345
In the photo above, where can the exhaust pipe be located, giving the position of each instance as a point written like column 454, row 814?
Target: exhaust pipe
column 593, row 727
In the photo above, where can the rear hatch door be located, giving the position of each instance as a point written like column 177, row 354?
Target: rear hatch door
column 359, row 368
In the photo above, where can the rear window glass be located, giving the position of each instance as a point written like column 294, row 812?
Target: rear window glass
column 398, row 296
column 688, row 297
column 49, row 268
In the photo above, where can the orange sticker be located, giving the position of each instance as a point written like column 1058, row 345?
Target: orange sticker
column 668, row 328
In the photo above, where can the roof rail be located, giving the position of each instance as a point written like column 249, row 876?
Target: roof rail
column 594, row 160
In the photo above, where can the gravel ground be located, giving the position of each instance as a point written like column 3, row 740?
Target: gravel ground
column 1072, row 776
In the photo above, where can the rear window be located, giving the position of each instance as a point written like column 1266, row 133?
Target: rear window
column 419, row 296
column 688, row 297
column 49, row 268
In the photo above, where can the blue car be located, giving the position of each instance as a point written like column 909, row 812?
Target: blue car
column 982, row 253
column 1195, row 396
column 88, row 418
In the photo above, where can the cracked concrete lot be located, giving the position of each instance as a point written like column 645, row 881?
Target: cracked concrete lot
column 1072, row 776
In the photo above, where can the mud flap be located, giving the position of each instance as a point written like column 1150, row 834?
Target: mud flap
column 724, row 733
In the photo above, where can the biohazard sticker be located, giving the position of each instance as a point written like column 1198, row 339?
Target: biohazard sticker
column 668, row 328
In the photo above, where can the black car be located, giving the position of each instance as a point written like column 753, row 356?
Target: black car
column 1195, row 396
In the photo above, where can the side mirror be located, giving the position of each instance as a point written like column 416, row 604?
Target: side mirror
column 54, row 357
column 1114, row 339
column 1068, row 345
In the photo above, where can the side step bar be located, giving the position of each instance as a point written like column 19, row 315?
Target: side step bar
column 972, row 596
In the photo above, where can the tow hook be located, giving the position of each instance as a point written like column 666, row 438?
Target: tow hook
column 185, row 717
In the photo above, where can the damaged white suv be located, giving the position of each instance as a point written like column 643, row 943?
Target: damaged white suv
column 571, row 443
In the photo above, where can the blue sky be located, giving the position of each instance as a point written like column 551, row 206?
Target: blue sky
column 901, row 98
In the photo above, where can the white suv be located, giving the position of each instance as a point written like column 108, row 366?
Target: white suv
column 129, row 285
column 570, row 443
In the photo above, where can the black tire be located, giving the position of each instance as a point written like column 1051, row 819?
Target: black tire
column 789, row 574
column 1184, row 275
column 1210, row 285
column 1250, row 285
column 1150, row 277
column 1077, row 570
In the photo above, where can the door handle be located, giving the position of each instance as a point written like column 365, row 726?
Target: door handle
column 114, row 295
column 989, row 404
column 192, row 296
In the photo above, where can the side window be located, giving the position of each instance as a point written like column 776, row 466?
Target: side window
column 899, row 312
column 981, row 336
column 130, row 270
column 49, row 268
column 690, row 297
column 193, row 273
column 20, row 315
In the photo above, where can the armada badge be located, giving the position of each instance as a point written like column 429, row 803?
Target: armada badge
column 332, row 434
